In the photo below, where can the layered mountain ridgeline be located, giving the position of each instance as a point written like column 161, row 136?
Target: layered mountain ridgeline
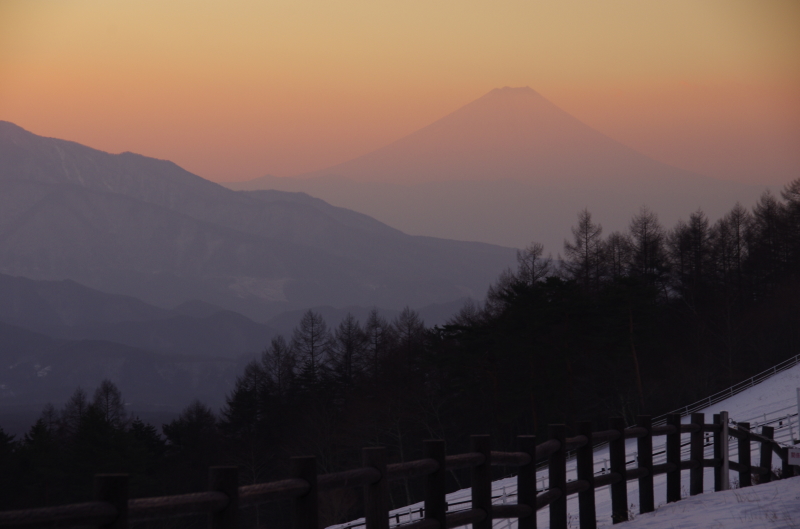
column 65, row 309
column 128, row 224
column 38, row 369
column 509, row 168
column 58, row 335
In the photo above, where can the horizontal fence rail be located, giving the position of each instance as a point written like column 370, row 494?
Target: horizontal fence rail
column 112, row 509
column 731, row 391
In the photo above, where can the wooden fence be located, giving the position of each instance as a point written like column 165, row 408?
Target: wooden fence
column 733, row 390
column 112, row 509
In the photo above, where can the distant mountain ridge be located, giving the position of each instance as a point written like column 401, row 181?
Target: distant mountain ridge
column 509, row 133
column 510, row 168
column 58, row 335
column 39, row 369
column 30, row 157
column 133, row 225
column 67, row 310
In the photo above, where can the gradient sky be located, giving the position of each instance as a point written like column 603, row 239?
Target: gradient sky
column 235, row 90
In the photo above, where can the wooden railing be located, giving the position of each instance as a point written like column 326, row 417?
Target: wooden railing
column 112, row 509
column 733, row 390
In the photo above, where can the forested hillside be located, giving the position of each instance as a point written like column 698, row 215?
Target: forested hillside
column 636, row 322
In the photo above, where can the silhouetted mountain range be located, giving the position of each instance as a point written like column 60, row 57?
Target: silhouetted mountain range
column 132, row 269
column 65, row 309
column 58, row 335
column 38, row 369
column 510, row 168
column 132, row 225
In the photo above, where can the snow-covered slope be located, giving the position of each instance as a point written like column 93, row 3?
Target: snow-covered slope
column 773, row 401
column 767, row 506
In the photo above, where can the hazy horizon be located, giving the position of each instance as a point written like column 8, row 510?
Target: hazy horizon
column 282, row 89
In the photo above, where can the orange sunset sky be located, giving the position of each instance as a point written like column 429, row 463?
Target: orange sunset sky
column 235, row 90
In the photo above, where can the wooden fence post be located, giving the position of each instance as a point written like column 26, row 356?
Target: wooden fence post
column 482, row 480
column 376, row 495
column 674, row 457
column 717, row 454
column 557, row 470
column 787, row 470
column 435, row 484
column 645, row 447
column 766, row 454
column 696, row 454
column 225, row 480
column 526, row 481
column 745, row 473
column 585, row 460
column 726, row 452
column 306, row 507
column 113, row 488
column 616, row 455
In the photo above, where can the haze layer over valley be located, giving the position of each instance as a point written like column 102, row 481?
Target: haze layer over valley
column 508, row 169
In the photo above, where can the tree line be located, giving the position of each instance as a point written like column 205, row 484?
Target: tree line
column 640, row 321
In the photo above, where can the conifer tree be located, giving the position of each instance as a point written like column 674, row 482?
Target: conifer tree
column 6, row 444
column 766, row 241
column 585, row 258
column 8, row 449
column 728, row 240
column 348, row 348
column 380, row 339
column 279, row 362
column 195, row 425
column 108, row 399
column 74, row 410
column 245, row 409
column 469, row 314
column 410, row 331
column 531, row 266
column 311, row 341
column 648, row 259
column 791, row 194
column 496, row 294
column 194, row 443
column 617, row 249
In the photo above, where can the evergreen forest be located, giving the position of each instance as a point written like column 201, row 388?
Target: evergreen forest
column 617, row 324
